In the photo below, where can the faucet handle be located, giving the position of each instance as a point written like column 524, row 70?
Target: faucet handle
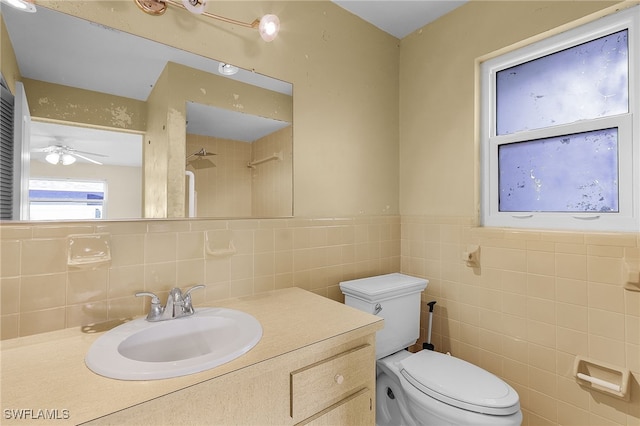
column 156, row 309
column 188, row 307
column 195, row 287
column 154, row 299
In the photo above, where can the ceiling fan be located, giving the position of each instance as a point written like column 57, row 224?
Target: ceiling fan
column 66, row 155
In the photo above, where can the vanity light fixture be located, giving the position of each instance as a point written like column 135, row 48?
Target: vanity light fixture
column 23, row 5
column 227, row 69
column 268, row 26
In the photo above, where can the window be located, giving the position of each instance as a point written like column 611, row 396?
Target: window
column 560, row 130
column 66, row 199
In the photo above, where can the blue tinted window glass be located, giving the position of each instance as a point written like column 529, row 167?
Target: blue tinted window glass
column 573, row 173
column 583, row 82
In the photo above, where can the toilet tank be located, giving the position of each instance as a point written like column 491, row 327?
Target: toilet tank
column 394, row 297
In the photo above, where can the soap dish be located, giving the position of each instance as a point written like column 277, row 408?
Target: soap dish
column 88, row 250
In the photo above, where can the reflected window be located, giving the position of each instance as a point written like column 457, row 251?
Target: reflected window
column 60, row 199
column 559, row 134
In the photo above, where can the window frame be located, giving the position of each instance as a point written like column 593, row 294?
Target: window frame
column 628, row 217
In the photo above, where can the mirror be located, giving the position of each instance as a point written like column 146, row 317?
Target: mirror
column 193, row 141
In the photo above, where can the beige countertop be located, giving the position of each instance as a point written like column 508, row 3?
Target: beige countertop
column 45, row 374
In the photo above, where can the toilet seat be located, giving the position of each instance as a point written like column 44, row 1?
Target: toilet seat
column 461, row 384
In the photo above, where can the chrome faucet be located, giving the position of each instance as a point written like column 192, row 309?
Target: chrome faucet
column 178, row 304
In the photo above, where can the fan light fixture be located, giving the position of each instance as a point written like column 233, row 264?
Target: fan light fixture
column 23, row 5
column 268, row 26
column 60, row 158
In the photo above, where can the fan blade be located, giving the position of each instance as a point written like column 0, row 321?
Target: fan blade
column 95, row 154
column 49, row 148
column 86, row 158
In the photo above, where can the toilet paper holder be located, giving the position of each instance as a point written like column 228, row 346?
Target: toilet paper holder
column 602, row 377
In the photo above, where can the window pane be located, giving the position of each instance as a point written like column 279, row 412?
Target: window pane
column 583, row 82
column 573, row 173
column 65, row 199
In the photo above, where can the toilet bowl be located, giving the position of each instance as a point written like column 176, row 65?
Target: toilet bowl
column 427, row 387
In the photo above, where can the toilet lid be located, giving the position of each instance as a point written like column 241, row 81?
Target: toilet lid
column 459, row 383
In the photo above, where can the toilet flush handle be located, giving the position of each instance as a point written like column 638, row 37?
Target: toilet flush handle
column 377, row 309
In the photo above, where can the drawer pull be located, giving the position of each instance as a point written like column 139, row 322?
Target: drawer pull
column 339, row 379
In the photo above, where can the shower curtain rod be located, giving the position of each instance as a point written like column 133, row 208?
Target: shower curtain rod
column 275, row 156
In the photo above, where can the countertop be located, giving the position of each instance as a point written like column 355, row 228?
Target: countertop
column 44, row 376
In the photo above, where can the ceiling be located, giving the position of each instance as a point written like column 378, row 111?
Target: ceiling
column 399, row 17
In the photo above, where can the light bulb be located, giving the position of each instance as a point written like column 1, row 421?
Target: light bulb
column 68, row 159
column 269, row 27
column 23, row 5
column 227, row 69
column 194, row 6
column 52, row 158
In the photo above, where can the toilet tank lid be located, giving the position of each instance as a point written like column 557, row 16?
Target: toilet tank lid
column 383, row 286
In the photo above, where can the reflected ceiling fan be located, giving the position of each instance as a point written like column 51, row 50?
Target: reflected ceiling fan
column 66, row 155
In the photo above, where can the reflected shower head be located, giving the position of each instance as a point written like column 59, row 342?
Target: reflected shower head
column 201, row 163
column 202, row 153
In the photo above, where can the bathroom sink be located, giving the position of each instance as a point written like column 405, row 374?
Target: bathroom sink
column 143, row 350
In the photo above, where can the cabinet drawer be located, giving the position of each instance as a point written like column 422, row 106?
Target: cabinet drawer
column 355, row 410
column 324, row 383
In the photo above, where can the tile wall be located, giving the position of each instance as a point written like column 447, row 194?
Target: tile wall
column 537, row 300
column 40, row 293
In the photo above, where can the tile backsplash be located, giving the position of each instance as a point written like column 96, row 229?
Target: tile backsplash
column 40, row 292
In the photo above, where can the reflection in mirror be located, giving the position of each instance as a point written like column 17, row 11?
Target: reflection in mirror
column 176, row 102
column 245, row 178
column 67, row 162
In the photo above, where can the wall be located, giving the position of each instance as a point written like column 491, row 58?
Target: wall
column 271, row 185
column 538, row 299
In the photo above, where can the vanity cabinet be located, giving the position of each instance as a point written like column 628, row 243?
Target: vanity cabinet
column 327, row 383
column 315, row 364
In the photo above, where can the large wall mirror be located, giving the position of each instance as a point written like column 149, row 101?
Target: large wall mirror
column 122, row 127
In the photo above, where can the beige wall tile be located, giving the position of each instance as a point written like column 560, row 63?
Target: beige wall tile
column 571, row 291
column 127, row 249
column 572, row 341
column 41, row 321
column 87, row 285
column 571, row 266
column 9, row 296
column 606, row 324
column 38, row 292
column 43, row 256
column 87, row 313
column 190, row 245
column 160, row 247
column 606, row 297
column 606, row 270
column 572, row 316
column 9, row 258
column 9, row 326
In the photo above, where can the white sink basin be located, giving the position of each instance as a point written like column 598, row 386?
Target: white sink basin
column 143, row 350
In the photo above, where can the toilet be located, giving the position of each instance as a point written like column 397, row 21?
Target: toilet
column 427, row 387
